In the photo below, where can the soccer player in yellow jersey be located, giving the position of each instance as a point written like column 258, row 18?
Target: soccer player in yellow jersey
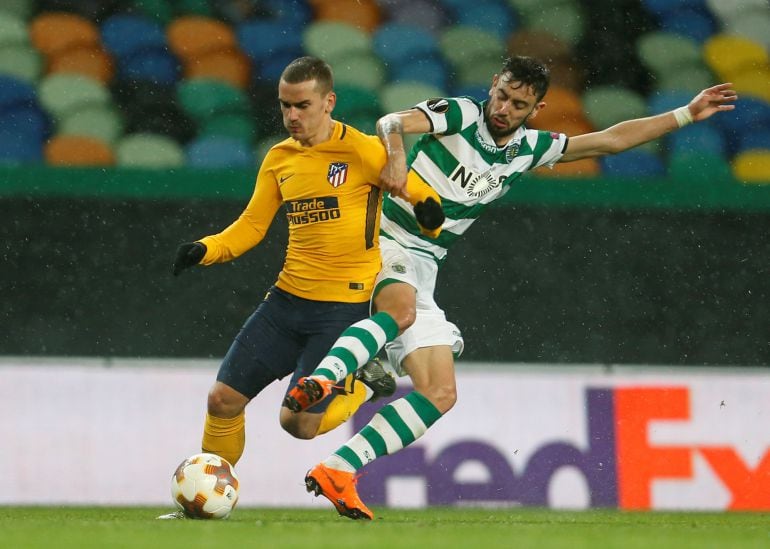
column 326, row 177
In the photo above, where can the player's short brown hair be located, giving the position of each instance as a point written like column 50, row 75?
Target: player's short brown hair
column 307, row 68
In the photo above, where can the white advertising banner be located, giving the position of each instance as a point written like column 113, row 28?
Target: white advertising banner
column 88, row 431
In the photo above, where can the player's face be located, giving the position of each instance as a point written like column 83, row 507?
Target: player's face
column 510, row 104
column 306, row 111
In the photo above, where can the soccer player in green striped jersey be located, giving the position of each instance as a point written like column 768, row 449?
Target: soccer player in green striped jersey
column 471, row 153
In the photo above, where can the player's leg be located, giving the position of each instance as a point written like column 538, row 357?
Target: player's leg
column 395, row 303
column 393, row 427
column 322, row 324
column 264, row 350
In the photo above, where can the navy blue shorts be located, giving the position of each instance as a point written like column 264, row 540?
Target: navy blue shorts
column 285, row 335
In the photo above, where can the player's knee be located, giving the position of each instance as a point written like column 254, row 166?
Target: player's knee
column 443, row 397
column 225, row 402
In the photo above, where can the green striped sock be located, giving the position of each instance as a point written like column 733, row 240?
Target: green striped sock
column 395, row 426
column 356, row 346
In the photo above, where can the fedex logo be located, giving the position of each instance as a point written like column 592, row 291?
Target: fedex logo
column 620, row 463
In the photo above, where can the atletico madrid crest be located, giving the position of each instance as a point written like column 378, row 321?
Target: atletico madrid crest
column 338, row 173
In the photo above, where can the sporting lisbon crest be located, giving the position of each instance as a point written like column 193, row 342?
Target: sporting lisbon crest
column 338, row 173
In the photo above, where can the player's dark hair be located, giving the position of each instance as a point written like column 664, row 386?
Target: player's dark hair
column 529, row 72
column 307, row 68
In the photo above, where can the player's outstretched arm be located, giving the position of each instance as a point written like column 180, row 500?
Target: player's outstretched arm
column 631, row 133
column 187, row 255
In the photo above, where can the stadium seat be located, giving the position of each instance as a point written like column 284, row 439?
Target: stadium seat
column 665, row 52
column 359, row 69
column 692, row 21
column 125, row 35
column 691, row 80
column 725, row 10
column 752, row 24
column 101, row 122
column 355, row 100
column 91, row 61
column 147, row 150
column 271, row 69
column 428, row 69
column 479, row 92
column 404, row 95
column 698, row 166
column 704, row 137
column 155, row 65
column 753, row 82
column 52, row 33
column 754, row 140
column 752, row 113
column 27, row 119
column 465, row 46
column 204, row 98
column 219, row 152
column 13, row 31
column 15, row 92
column 426, row 14
column 236, row 125
column 191, row 36
column 261, row 39
column 494, row 16
column 565, row 20
column 661, row 101
column 19, row 148
column 330, row 40
column 400, row 44
column 21, row 9
column 729, row 55
column 362, row 14
column 76, row 150
column 479, row 73
column 632, row 163
column 752, row 166
column 21, row 61
column 538, row 44
column 608, row 105
column 62, row 93
column 229, row 66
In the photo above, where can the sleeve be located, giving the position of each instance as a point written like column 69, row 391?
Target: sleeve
column 250, row 228
column 373, row 158
column 449, row 115
column 548, row 149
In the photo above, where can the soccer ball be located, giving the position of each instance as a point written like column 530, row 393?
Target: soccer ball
column 205, row 486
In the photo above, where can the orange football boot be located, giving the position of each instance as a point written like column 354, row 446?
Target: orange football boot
column 339, row 487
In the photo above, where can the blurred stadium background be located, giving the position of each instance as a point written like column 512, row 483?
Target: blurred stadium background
column 128, row 126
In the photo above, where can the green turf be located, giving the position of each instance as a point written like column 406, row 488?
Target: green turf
column 105, row 527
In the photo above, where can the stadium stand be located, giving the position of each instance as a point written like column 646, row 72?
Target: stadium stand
column 202, row 73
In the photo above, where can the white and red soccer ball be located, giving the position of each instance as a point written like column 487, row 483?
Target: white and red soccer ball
column 205, row 486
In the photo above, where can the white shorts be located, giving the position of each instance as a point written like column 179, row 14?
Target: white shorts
column 430, row 328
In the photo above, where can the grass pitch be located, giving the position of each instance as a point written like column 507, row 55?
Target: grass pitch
column 106, row 527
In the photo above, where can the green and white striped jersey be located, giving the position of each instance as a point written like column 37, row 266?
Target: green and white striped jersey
column 461, row 161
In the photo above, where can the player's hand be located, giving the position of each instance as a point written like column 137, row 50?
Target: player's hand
column 712, row 100
column 187, row 255
column 393, row 176
column 429, row 213
column 429, row 216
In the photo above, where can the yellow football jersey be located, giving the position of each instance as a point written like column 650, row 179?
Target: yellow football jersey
column 332, row 202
